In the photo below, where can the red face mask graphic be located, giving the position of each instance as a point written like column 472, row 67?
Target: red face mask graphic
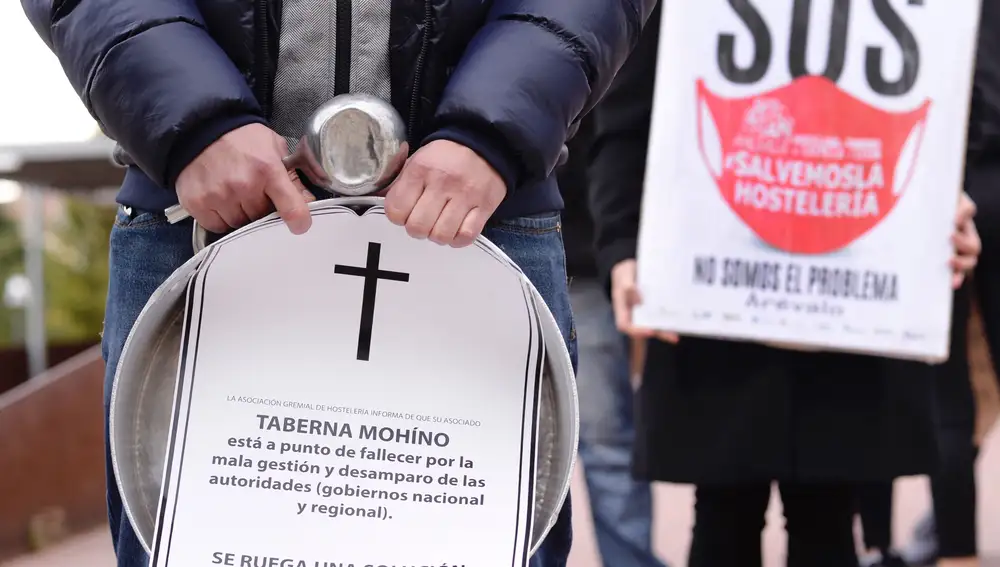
column 809, row 168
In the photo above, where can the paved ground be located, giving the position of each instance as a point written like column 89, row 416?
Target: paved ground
column 673, row 524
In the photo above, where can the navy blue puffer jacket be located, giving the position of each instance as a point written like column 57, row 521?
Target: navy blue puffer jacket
column 508, row 78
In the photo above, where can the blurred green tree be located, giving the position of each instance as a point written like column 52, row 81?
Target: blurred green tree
column 76, row 271
column 11, row 262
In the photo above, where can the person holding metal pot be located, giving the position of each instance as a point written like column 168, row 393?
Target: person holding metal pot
column 201, row 96
column 734, row 417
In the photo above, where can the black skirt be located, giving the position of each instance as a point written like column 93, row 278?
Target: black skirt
column 713, row 411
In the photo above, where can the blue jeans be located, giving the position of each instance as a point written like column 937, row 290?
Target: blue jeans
column 146, row 249
column 620, row 506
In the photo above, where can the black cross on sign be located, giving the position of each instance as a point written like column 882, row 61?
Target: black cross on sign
column 372, row 275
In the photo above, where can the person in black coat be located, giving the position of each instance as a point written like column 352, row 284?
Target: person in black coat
column 732, row 417
column 621, row 507
column 952, row 537
column 947, row 536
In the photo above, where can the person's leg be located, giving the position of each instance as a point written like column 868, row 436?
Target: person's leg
column 874, row 505
column 953, row 483
column 946, row 535
column 728, row 521
column 535, row 245
column 144, row 250
column 819, row 519
column 952, row 537
column 621, row 507
column 923, row 549
column 953, row 489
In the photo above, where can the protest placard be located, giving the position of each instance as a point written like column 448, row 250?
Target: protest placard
column 804, row 168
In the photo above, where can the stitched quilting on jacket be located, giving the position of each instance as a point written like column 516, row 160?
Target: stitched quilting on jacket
column 508, row 78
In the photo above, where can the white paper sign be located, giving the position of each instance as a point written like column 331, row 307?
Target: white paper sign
column 352, row 396
column 804, row 169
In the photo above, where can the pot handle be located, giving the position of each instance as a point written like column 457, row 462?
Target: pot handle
column 199, row 236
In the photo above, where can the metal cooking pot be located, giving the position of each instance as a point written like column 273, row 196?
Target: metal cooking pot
column 142, row 398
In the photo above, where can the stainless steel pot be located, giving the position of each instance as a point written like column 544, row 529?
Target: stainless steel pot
column 142, row 398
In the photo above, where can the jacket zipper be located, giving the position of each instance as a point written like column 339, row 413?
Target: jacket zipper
column 425, row 43
column 342, row 53
column 263, row 60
